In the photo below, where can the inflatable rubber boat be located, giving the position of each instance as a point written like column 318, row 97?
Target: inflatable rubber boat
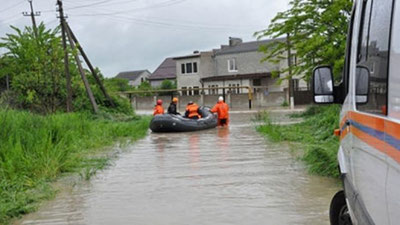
column 178, row 123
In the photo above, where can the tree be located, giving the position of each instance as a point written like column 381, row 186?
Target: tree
column 117, row 84
column 317, row 33
column 34, row 65
column 36, row 70
column 167, row 85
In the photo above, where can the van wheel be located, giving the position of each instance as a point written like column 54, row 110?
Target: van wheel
column 339, row 213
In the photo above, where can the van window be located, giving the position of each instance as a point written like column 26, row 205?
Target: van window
column 394, row 80
column 373, row 53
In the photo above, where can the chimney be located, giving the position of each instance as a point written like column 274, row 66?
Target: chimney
column 234, row 41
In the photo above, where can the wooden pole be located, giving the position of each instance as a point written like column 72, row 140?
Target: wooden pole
column 8, row 82
column 66, row 62
column 82, row 72
column 291, row 91
column 97, row 78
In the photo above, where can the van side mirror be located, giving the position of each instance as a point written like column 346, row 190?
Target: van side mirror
column 323, row 85
column 362, row 84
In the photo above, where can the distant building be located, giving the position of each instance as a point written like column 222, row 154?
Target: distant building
column 234, row 65
column 191, row 69
column 239, row 64
column 165, row 71
column 134, row 78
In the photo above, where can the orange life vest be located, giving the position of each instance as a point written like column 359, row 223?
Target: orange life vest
column 221, row 108
column 193, row 110
column 158, row 110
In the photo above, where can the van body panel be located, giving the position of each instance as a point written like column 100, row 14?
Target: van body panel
column 369, row 153
column 392, row 125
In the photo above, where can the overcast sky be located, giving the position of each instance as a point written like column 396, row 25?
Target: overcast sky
column 122, row 35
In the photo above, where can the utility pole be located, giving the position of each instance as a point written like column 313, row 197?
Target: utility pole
column 66, row 63
column 94, row 73
column 291, row 91
column 8, row 82
column 82, row 72
column 32, row 14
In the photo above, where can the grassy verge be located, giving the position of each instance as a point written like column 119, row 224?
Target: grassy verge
column 314, row 136
column 35, row 150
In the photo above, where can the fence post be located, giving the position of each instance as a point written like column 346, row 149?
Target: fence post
column 229, row 100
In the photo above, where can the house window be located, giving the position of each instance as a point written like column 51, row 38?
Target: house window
column 190, row 91
column 196, row 90
column 184, row 92
column 194, row 67
column 232, row 67
column 257, row 82
column 296, row 86
column 142, row 80
column 189, row 68
column 183, row 68
column 237, row 89
column 293, row 60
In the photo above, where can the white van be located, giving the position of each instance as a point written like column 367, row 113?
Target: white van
column 369, row 154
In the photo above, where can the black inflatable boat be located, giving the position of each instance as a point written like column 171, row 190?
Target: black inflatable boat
column 178, row 123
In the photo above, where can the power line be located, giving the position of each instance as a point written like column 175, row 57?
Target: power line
column 160, row 5
column 15, row 5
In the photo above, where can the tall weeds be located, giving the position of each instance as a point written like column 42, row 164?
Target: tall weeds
column 315, row 135
column 36, row 149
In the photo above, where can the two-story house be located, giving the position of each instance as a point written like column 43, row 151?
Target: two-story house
column 239, row 64
column 191, row 69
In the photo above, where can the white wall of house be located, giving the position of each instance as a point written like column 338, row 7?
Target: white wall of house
column 157, row 83
column 143, row 77
column 246, row 63
column 185, row 79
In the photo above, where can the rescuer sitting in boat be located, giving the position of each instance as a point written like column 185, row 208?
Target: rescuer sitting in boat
column 172, row 107
column 158, row 109
column 192, row 111
column 221, row 108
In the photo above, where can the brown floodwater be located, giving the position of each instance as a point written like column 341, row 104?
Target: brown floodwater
column 218, row 176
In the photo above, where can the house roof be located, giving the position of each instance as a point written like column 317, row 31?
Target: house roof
column 131, row 75
column 245, row 46
column 166, row 70
column 187, row 56
column 236, row 76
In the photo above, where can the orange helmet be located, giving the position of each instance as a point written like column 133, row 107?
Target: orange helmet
column 175, row 100
column 159, row 102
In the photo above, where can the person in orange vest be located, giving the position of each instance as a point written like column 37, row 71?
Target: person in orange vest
column 221, row 108
column 158, row 109
column 192, row 111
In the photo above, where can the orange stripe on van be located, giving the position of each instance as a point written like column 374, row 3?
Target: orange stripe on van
column 370, row 121
column 392, row 129
column 393, row 153
column 370, row 140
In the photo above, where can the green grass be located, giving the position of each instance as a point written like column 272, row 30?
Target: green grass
column 35, row 150
column 314, row 136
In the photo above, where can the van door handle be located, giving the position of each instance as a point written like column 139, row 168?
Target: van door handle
column 348, row 124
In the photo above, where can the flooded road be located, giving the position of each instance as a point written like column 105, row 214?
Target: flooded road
column 218, row 176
